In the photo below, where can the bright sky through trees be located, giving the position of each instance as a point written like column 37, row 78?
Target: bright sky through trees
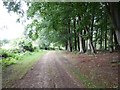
column 9, row 28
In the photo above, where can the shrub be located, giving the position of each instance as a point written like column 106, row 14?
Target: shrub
column 8, row 61
column 8, row 57
column 4, row 53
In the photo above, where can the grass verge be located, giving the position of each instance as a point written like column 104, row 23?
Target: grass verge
column 87, row 82
column 82, row 78
column 17, row 71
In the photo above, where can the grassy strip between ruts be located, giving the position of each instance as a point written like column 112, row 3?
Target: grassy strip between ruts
column 17, row 71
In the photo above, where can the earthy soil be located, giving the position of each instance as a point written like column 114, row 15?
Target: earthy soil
column 102, row 69
column 53, row 70
column 49, row 72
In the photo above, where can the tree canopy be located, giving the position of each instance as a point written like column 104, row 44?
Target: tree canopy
column 76, row 26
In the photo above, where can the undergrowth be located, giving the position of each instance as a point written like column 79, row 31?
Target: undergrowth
column 16, row 71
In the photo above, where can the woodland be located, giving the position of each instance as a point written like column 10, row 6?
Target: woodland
column 82, row 27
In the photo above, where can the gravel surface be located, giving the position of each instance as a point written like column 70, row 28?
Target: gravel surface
column 49, row 72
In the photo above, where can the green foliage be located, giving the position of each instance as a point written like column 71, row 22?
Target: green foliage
column 5, row 53
column 8, row 61
column 26, row 46
column 54, row 23
column 10, row 57
column 55, row 19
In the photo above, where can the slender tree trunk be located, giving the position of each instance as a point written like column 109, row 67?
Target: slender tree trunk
column 105, row 43
column 80, row 38
column 118, row 36
column 92, row 47
column 111, row 41
column 105, row 39
column 81, row 43
column 78, row 43
column 95, row 42
column 101, row 39
column 75, row 34
column 66, row 45
column 91, row 33
column 92, row 23
column 90, row 43
column 70, row 38
column 83, row 39
column 117, row 46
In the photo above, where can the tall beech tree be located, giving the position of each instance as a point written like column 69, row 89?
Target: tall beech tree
column 113, row 10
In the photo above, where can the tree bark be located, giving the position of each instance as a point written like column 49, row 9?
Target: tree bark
column 81, row 43
column 70, row 39
column 75, row 38
column 92, row 47
column 111, row 41
column 117, row 46
column 66, row 45
column 106, row 31
column 95, row 42
column 101, row 39
column 78, row 43
column 113, row 9
column 83, row 40
column 105, row 40
column 90, row 43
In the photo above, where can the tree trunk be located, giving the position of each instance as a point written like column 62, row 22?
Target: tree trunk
column 118, row 36
column 92, row 23
column 92, row 47
column 90, row 43
column 111, row 41
column 95, row 42
column 75, row 34
column 101, row 39
column 106, row 21
column 81, row 43
column 105, row 40
column 78, row 43
column 83, row 40
column 70, row 39
column 91, row 33
column 66, row 45
column 117, row 46
column 114, row 12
